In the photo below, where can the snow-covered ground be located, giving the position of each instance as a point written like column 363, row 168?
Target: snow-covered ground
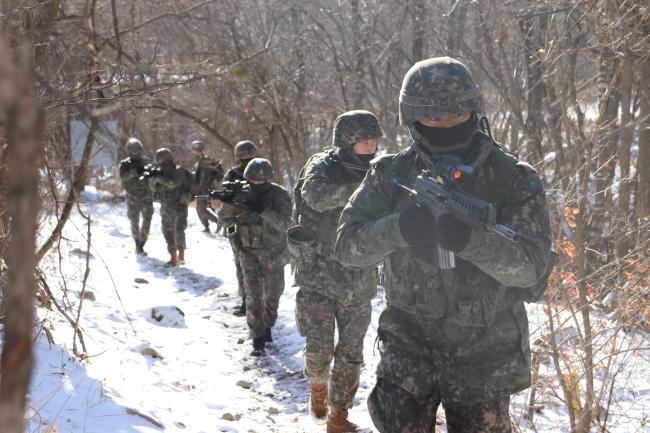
column 195, row 375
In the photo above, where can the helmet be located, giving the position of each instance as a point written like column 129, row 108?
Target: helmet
column 259, row 170
column 197, row 145
column 134, row 147
column 353, row 127
column 436, row 87
column 245, row 150
column 164, row 155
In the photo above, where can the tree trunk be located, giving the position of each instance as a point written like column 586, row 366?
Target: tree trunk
column 456, row 28
column 358, row 56
column 418, row 18
column 643, row 164
column 535, row 85
column 624, row 157
column 22, row 122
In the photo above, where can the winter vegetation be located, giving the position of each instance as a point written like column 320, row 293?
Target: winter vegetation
column 566, row 88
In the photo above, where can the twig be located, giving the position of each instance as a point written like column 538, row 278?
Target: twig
column 81, row 296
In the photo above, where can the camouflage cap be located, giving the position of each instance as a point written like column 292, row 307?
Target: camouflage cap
column 134, row 146
column 436, row 87
column 197, row 145
column 353, row 127
column 245, row 149
column 164, row 155
column 259, row 170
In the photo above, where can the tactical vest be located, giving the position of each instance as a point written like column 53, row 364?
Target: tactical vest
column 465, row 295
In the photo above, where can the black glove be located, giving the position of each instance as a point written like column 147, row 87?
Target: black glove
column 254, row 202
column 452, row 234
column 416, row 224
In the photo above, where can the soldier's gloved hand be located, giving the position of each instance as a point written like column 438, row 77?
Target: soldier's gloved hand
column 255, row 202
column 452, row 234
column 416, row 224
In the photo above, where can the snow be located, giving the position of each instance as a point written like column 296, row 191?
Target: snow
column 191, row 372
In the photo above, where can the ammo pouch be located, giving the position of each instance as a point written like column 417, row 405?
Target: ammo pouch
column 300, row 244
column 475, row 303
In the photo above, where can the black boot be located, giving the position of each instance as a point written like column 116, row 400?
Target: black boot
column 139, row 248
column 206, row 229
column 268, row 338
column 240, row 310
column 258, row 347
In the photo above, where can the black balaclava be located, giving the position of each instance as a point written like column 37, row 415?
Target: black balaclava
column 365, row 159
column 454, row 137
column 261, row 188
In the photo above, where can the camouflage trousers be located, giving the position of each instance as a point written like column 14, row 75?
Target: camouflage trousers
column 174, row 223
column 205, row 216
column 235, row 244
column 263, row 275
column 394, row 410
column 316, row 319
column 135, row 207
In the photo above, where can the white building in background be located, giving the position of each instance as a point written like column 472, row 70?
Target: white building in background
column 104, row 151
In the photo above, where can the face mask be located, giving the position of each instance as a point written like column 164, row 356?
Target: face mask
column 261, row 188
column 446, row 137
column 366, row 158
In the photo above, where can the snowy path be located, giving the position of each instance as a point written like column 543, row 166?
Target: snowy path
column 197, row 385
column 204, row 380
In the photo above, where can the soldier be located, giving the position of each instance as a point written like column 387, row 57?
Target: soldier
column 173, row 187
column 138, row 196
column 206, row 172
column 456, row 336
column 261, row 223
column 244, row 151
column 331, row 295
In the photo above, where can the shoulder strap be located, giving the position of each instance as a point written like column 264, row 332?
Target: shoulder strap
column 403, row 166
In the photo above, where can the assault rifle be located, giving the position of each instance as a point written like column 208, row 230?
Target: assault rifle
column 237, row 192
column 151, row 170
column 438, row 190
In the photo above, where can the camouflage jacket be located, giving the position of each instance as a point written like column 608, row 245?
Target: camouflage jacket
column 130, row 171
column 206, row 172
column 324, row 186
column 464, row 330
column 263, row 232
column 174, row 187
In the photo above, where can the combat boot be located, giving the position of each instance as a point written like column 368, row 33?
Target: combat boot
column 173, row 258
column 258, row 346
column 338, row 422
column 318, row 400
column 139, row 248
column 181, row 255
column 268, row 337
column 206, row 228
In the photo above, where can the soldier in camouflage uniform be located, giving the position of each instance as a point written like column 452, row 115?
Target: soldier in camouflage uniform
column 138, row 196
column 173, row 187
column 260, row 223
column 244, row 151
column 453, row 336
column 331, row 295
column 206, row 173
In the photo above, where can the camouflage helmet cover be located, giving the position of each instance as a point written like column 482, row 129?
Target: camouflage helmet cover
column 164, row 155
column 245, row 149
column 436, row 87
column 134, row 146
column 197, row 145
column 353, row 127
column 259, row 170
